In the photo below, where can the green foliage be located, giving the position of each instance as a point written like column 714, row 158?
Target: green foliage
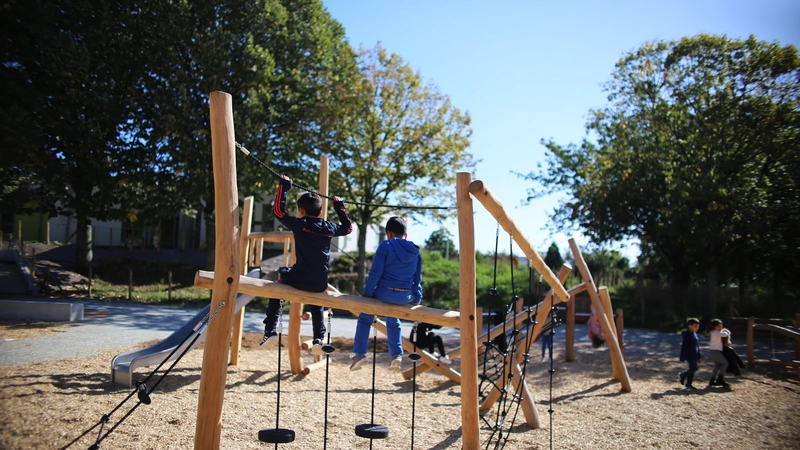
column 553, row 258
column 394, row 140
column 696, row 155
column 441, row 241
column 107, row 109
column 150, row 282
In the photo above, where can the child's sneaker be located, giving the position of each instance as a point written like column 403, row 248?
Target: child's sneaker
column 682, row 377
column 270, row 339
column 357, row 360
column 445, row 360
column 396, row 362
column 316, row 347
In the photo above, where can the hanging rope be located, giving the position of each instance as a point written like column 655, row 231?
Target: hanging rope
column 277, row 435
column 375, row 205
column 141, row 387
column 328, row 349
column 414, row 356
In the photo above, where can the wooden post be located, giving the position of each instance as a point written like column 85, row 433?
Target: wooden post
column 48, row 232
column 797, row 341
column 19, row 231
column 617, row 361
column 226, row 270
column 606, row 299
column 238, row 318
column 323, row 184
column 620, row 324
column 570, row 331
column 751, row 359
column 470, row 426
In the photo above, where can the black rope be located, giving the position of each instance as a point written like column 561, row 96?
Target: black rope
column 327, row 373
column 374, row 359
column 278, row 401
column 414, row 383
column 376, row 205
column 144, row 393
column 552, row 370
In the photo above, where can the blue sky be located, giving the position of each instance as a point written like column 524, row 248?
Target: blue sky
column 527, row 70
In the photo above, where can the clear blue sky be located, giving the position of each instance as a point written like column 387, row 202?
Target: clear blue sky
column 527, row 70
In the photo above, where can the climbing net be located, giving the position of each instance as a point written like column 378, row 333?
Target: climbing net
column 504, row 352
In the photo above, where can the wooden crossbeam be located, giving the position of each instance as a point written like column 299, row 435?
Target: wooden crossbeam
column 270, row 289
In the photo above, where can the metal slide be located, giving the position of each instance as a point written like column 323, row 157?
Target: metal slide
column 123, row 365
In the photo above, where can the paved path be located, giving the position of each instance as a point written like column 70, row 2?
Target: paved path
column 110, row 326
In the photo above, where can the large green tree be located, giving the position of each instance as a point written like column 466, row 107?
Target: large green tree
column 107, row 112
column 395, row 140
column 69, row 69
column 279, row 59
column 696, row 154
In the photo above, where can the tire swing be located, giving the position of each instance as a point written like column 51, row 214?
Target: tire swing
column 371, row 430
column 277, row 435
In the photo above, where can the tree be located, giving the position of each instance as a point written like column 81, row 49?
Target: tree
column 698, row 145
column 553, row 258
column 279, row 60
column 108, row 101
column 68, row 71
column 394, row 139
column 442, row 241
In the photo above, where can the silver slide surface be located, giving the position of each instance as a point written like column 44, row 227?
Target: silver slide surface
column 123, row 365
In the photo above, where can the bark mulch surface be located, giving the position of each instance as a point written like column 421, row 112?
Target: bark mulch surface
column 50, row 405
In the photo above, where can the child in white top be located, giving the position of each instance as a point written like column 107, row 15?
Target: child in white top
column 720, row 338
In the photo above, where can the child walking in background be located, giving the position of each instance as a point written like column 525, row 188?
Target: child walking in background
column 425, row 338
column 719, row 339
column 312, row 240
column 690, row 352
column 395, row 277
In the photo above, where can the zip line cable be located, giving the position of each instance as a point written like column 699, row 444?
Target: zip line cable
column 377, row 205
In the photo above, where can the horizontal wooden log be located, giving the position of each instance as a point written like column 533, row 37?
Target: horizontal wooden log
column 269, row 289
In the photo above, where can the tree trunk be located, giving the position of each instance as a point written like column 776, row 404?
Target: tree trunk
column 83, row 255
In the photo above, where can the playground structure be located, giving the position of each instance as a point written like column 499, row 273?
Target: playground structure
column 227, row 280
column 790, row 332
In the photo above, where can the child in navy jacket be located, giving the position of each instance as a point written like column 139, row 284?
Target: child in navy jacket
column 312, row 240
column 690, row 352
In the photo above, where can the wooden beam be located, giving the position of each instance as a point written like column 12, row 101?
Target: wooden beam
column 494, row 207
column 244, row 245
column 470, row 420
column 270, row 289
column 617, row 361
column 226, row 263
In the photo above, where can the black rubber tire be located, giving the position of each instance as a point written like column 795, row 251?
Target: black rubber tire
column 372, row 431
column 276, row 435
column 414, row 356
